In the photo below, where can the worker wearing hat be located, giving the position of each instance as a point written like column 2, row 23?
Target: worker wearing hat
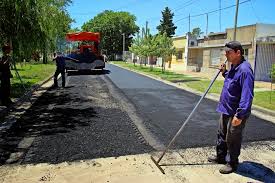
column 235, row 107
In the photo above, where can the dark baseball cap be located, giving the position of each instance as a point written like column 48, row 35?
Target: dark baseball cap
column 233, row 45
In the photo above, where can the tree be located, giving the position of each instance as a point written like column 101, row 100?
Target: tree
column 111, row 25
column 196, row 32
column 159, row 45
column 166, row 24
column 165, row 48
column 32, row 25
column 76, row 29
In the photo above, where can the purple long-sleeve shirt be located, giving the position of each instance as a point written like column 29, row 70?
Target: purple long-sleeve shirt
column 237, row 93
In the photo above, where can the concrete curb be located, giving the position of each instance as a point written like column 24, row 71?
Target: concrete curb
column 9, row 118
column 210, row 96
column 4, row 110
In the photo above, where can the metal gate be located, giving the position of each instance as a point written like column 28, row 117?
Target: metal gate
column 265, row 57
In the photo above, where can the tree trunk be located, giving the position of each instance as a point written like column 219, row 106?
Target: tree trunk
column 145, row 59
column 169, row 64
column 163, row 64
column 151, row 62
column 45, row 56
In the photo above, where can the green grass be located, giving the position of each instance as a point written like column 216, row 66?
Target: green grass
column 31, row 74
column 265, row 99
column 200, row 84
column 167, row 75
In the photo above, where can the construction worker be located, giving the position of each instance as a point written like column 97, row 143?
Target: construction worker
column 59, row 58
column 235, row 107
column 5, row 75
column 60, row 68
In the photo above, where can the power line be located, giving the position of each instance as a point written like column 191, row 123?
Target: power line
column 253, row 9
column 188, row 3
column 201, row 14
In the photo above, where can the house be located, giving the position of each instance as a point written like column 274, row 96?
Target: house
column 205, row 54
column 178, row 61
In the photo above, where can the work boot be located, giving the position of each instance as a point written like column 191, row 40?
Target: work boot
column 228, row 168
column 215, row 159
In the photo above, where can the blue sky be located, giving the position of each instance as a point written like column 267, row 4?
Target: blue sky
column 250, row 12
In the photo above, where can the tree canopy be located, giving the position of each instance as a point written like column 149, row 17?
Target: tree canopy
column 32, row 25
column 111, row 25
column 166, row 24
column 196, row 32
column 159, row 45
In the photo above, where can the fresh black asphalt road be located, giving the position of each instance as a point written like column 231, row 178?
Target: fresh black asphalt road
column 164, row 108
column 112, row 114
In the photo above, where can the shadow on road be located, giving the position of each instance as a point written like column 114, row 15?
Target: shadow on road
column 89, row 72
column 72, row 124
column 50, row 114
column 256, row 171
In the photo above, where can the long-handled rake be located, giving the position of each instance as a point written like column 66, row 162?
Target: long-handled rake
column 183, row 125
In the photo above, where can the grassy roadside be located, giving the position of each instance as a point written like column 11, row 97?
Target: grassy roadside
column 261, row 98
column 31, row 74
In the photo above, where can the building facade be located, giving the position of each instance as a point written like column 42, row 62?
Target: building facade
column 205, row 54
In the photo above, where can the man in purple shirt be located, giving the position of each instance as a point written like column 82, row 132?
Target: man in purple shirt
column 234, row 106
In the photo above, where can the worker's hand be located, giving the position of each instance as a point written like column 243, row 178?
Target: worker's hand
column 236, row 121
column 222, row 67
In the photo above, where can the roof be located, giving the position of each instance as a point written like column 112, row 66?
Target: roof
column 179, row 37
column 216, row 33
column 217, row 45
column 83, row 36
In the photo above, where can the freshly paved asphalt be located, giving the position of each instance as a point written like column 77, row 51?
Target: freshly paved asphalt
column 164, row 108
column 86, row 120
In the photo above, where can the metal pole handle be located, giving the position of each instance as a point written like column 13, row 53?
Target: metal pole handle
column 190, row 115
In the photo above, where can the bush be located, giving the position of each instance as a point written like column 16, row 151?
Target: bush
column 273, row 72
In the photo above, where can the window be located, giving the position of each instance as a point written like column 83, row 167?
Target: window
column 179, row 55
column 215, row 56
column 245, row 54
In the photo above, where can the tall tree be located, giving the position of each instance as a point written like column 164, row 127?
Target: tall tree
column 32, row 25
column 165, row 48
column 166, row 24
column 159, row 45
column 111, row 25
column 196, row 32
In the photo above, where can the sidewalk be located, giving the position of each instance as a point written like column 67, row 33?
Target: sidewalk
column 259, row 85
column 258, row 111
column 257, row 164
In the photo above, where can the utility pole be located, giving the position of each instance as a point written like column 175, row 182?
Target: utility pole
column 123, row 49
column 206, row 24
column 236, row 19
column 189, row 22
column 220, row 15
column 146, row 29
